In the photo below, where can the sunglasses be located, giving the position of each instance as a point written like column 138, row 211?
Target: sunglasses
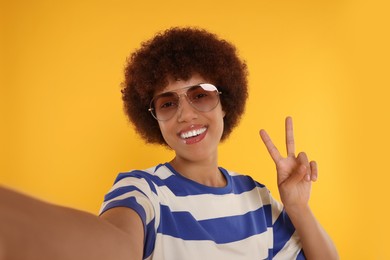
column 203, row 97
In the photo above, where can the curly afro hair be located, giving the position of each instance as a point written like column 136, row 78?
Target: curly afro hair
column 179, row 53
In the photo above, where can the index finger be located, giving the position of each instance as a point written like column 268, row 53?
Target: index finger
column 272, row 150
column 290, row 143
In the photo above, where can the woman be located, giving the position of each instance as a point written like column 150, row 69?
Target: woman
column 185, row 89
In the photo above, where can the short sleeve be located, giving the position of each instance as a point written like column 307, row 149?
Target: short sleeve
column 134, row 190
column 286, row 244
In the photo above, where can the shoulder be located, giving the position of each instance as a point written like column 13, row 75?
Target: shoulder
column 151, row 175
column 244, row 183
column 134, row 183
column 240, row 178
column 146, row 173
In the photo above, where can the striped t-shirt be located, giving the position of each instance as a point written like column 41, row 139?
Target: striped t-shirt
column 187, row 220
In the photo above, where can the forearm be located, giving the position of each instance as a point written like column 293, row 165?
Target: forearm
column 32, row 229
column 315, row 241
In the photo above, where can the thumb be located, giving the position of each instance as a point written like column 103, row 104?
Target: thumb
column 298, row 175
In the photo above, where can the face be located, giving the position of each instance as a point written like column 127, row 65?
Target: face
column 192, row 134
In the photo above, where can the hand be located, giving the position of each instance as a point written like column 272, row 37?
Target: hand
column 294, row 173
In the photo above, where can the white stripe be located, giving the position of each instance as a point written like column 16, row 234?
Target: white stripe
column 200, row 205
column 277, row 208
column 163, row 172
column 170, row 248
column 140, row 183
column 150, row 170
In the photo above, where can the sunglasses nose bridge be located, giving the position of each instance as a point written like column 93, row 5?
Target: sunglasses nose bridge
column 180, row 101
column 184, row 93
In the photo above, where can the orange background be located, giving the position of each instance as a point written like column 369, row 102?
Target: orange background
column 64, row 137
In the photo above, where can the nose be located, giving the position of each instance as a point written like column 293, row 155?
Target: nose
column 185, row 111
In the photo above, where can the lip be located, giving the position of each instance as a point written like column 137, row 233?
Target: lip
column 186, row 134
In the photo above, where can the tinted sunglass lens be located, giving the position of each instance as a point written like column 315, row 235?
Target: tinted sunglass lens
column 203, row 99
column 165, row 105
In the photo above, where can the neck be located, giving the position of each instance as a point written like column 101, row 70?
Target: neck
column 206, row 172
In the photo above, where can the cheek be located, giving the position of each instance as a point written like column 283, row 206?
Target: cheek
column 222, row 113
column 220, row 120
column 164, row 129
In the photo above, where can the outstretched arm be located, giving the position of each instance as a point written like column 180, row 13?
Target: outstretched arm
column 295, row 175
column 33, row 229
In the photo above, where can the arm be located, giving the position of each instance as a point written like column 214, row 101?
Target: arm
column 47, row 231
column 295, row 175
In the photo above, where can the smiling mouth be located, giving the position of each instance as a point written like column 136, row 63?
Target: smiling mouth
column 193, row 133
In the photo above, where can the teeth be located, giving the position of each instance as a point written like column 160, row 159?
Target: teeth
column 192, row 133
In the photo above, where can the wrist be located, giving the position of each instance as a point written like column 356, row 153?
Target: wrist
column 298, row 211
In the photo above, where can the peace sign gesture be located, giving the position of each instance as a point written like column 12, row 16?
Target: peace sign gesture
column 294, row 173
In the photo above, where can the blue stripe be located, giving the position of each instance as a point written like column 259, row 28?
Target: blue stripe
column 123, row 175
column 268, row 214
column 150, row 239
column 242, row 184
column 270, row 256
column 218, row 229
column 301, row 256
column 283, row 230
column 182, row 186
